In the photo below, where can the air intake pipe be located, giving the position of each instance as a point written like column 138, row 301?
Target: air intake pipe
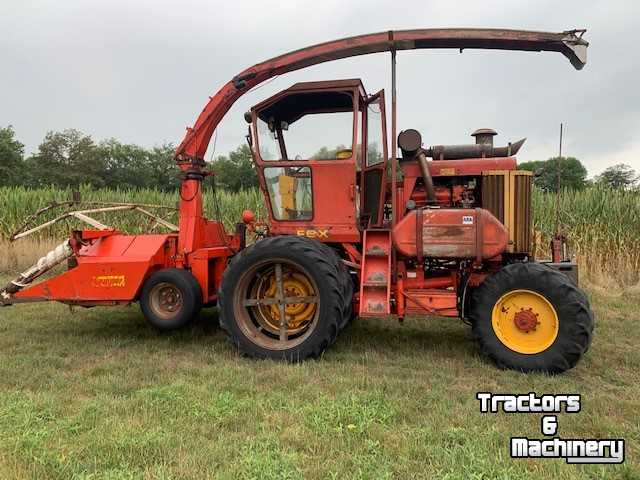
column 410, row 143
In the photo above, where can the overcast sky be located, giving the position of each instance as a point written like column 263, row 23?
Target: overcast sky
column 141, row 71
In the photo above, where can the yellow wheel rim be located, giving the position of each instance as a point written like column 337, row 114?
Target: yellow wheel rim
column 525, row 321
column 295, row 283
column 297, row 314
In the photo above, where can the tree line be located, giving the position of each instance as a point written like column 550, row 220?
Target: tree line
column 71, row 158
column 573, row 175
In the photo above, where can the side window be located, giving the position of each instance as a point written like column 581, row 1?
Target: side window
column 268, row 142
column 290, row 192
column 374, row 134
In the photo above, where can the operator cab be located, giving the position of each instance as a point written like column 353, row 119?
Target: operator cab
column 321, row 179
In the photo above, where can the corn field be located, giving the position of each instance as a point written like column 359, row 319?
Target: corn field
column 17, row 203
column 602, row 225
column 603, row 228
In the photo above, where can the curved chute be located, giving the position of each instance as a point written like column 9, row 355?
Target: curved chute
column 196, row 140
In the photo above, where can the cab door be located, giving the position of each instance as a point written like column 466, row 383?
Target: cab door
column 373, row 178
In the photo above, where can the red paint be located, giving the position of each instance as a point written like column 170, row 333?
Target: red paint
column 451, row 233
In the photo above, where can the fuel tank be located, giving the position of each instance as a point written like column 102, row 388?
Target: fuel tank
column 452, row 233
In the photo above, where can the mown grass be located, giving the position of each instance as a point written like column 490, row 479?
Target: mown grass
column 99, row 395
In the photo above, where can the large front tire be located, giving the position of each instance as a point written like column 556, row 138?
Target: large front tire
column 282, row 298
column 530, row 317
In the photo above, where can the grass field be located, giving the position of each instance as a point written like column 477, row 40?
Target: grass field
column 96, row 394
column 99, row 395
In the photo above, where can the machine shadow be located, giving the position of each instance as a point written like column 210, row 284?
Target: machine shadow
column 442, row 338
column 446, row 338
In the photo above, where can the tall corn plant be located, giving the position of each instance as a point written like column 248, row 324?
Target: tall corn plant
column 16, row 203
column 602, row 225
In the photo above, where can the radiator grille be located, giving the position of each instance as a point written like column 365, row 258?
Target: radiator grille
column 522, row 212
column 507, row 195
column 493, row 194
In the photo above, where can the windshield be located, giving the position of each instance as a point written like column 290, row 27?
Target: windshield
column 310, row 126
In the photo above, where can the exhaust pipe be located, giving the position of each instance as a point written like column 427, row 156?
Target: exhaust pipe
column 410, row 142
column 426, row 177
column 482, row 150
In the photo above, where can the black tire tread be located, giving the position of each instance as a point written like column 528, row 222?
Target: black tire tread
column 192, row 296
column 328, row 268
column 576, row 318
column 346, row 283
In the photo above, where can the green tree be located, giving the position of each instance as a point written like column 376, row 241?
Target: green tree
column 12, row 168
column 573, row 175
column 618, row 176
column 125, row 165
column 163, row 173
column 237, row 171
column 67, row 159
column 134, row 166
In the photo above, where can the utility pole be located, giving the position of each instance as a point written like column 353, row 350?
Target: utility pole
column 558, row 169
column 558, row 242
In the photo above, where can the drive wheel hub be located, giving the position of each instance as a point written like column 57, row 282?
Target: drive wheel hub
column 278, row 304
column 525, row 321
column 165, row 300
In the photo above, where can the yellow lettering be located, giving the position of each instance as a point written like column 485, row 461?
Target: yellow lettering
column 313, row 233
column 107, row 281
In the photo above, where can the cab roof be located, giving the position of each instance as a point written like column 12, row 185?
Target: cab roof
column 305, row 98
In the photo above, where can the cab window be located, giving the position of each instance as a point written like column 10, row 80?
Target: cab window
column 290, row 192
column 307, row 126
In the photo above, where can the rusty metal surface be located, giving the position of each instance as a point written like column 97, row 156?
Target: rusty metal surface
column 409, row 141
column 484, row 135
column 473, row 150
column 426, row 177
column 526, row 320
column 493, row 191
column 450, row 233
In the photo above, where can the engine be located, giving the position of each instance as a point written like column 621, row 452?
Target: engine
column 462, row 183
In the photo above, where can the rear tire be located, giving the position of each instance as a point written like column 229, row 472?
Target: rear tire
column 171, row 298
column 300, row 268
column 346, row 283
column 530, row 317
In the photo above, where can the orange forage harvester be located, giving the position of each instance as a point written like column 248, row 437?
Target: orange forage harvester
column 350, row 229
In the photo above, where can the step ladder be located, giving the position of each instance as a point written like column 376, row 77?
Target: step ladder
column 375, row 274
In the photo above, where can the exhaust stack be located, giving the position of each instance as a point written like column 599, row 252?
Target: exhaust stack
column 483, row 148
